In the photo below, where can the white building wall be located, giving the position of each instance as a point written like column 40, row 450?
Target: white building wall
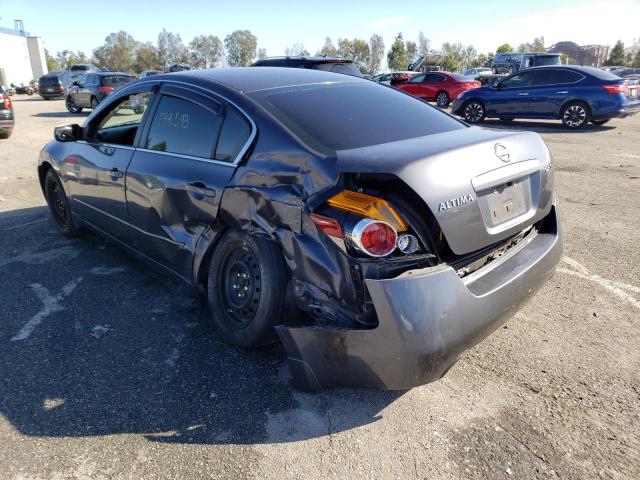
column 14, row 59
column 37, row 57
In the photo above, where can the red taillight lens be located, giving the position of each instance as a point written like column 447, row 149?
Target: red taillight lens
column 6, row 101
column 61, row 89
column 616, row 88
column 328, row 225
column 106, row 89
column 373, row 237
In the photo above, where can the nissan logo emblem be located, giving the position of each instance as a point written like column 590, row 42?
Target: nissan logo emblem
column 501, row 152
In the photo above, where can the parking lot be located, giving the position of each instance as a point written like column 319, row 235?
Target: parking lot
column 110, row 370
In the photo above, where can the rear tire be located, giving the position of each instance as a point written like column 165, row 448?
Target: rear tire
column 442, row 99
column 473, row 112
column 71, row 107
column 511, row 70
column 59, row 205
column 246, row 288
column 575, row 115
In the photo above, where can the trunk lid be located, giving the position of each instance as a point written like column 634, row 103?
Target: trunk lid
column 482, row 186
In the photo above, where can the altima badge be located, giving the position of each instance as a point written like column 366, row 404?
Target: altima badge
column 455, row 202
column 501, row 152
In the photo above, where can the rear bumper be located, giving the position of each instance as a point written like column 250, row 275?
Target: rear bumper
column 6, row 125
column 426, row 319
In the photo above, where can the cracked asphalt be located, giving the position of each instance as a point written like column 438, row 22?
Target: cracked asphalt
column 110, row 370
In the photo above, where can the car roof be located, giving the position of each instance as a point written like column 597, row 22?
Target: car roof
column 308, row 58
column 108, row 74
column 251, row 79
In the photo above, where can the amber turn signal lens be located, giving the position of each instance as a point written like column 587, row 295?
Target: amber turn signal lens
column 369, row 207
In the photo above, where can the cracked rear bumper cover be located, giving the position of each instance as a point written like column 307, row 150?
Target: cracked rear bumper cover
column 426, row 319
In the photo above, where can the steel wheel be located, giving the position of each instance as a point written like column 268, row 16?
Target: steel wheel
column 442, row 99
column 575, row 116
column 474, row 112
column 241, row 285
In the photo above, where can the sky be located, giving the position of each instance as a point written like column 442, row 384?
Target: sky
column 279, row 24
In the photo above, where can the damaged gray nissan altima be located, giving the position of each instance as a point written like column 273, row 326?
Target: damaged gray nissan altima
column 376, row 236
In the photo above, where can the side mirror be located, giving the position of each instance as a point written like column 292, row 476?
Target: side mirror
column 498, row 86
column 68, row 133
column 75, row 84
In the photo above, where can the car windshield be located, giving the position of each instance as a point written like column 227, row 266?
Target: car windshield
column 116, row 81
column 344, row 68
column 341, row 116
column 547, row 60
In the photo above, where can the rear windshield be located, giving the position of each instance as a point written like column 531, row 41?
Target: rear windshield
column 547, row 60
column 344, row 68
column 116, row 80
column 458, row 76
column 48, row 82
column 341, row 116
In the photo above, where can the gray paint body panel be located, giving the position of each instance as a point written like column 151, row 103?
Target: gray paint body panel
column 444, row 167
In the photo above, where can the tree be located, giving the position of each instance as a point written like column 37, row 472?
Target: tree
column 171, row 49
column 67, row 59
column 468, row 55
column 361, row 54
column 328, row 49
column 52, row 63
column 205, row 51
column 241, row 48
column 636, row 60
column 423, row 44
column 344, row 48
column 617, row 57
column 262, row 53
column 479, row 61
column 146, row 58
column 454, row 55
column 505, row 47
column 397, row 57
column 117, row 53
column 536, row 46
column 297, row 49
column 376, row 50
column 412, row 50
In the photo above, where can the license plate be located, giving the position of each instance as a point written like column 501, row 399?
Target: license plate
column 633, row 92
column 48, row 89
column 506, row 202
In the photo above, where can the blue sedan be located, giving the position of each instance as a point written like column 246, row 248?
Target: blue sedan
column 575, row 95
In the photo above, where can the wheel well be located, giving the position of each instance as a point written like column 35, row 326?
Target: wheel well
column 43, row 168
column 202, row 273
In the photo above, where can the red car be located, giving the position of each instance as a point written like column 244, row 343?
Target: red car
column 441, row 87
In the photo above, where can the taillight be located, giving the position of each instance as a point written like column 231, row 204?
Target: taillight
column 6, row 102
column 374, row 237
column 616, row 88
column 369, row 207
column 106, row 89
column 61, row 88
column 329, row 226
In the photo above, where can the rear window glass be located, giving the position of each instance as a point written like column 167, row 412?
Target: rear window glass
column 234, row 134
column 546, row 60
column 180, row 126
column 116, row 80
column 353, row 114
column 48, row 82
column 459, row 76
column 345, row 68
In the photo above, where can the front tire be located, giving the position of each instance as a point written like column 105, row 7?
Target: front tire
column 246, row 288
column 442, row 99
column 473, row 112
column 575, row 115
column 59, row 205
column 94, row 103
column 71, row 107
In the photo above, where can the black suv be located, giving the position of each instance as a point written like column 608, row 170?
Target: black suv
column 328, row 64
column 513, row 61
column 94, row 87
column 52, row 85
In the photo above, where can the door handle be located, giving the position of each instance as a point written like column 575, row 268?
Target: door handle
column 563, row 91
column 524, row 94
column 199, row 188
column 115, row 173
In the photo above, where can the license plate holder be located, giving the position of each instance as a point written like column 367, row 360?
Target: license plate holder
column 506, row 202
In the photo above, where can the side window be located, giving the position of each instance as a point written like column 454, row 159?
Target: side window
column 233, row 136
column 523, row 79
column 82, row 80
column 121, row 123
column 417, row 79
column 184, row 127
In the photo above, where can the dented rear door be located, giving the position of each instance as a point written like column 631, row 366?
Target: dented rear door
column 174, row 182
